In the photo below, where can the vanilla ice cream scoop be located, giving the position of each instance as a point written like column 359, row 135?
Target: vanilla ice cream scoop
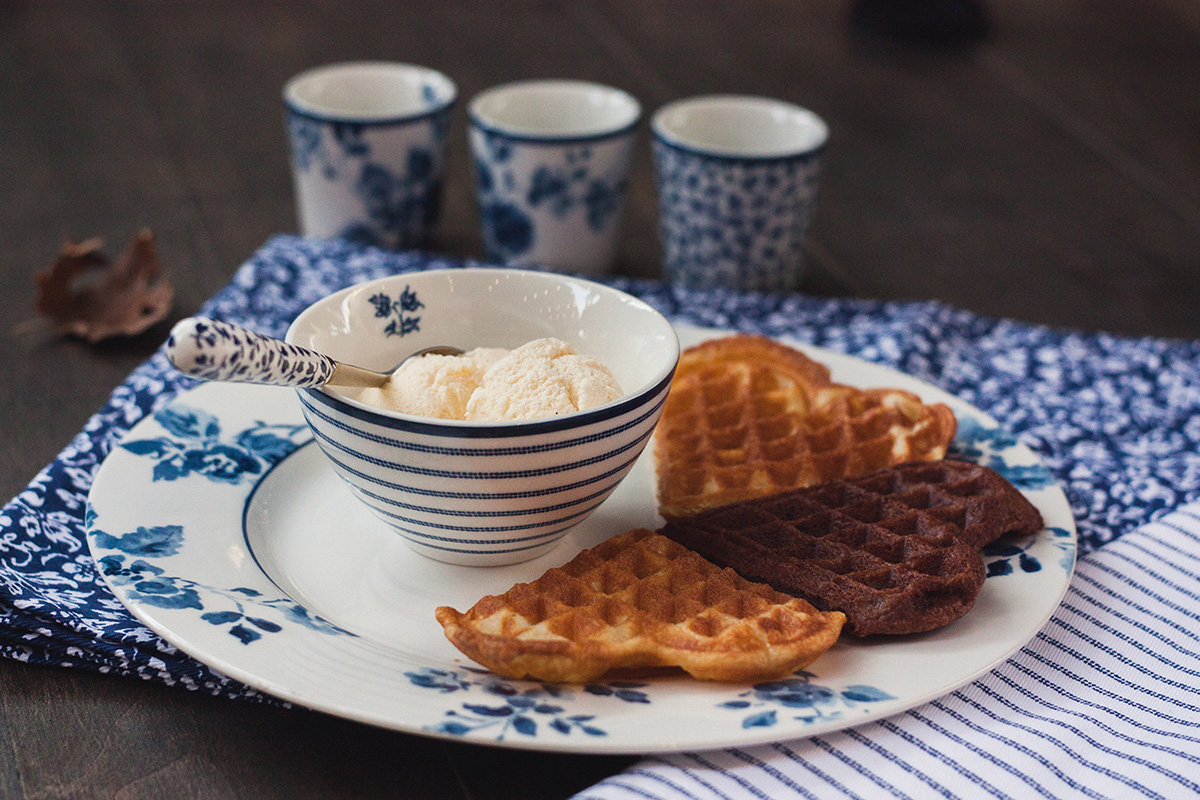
column 543, row 378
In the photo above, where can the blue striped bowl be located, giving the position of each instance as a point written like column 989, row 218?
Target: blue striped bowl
column 485, row 493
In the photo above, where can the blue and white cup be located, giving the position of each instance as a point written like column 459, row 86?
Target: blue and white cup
column 737, row 182
column 368, row 144
column 552, row 170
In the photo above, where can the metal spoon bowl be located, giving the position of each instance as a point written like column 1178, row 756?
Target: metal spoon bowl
column 220, row 351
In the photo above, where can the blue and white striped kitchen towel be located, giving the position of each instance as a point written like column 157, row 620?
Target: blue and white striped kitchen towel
column 1103, row 703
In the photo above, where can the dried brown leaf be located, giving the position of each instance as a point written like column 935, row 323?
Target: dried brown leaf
column 86, row 295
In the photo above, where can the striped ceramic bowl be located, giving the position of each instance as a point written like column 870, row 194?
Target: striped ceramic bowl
column 485, row 493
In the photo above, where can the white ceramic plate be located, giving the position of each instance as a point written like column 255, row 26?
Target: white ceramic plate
column 221, row 527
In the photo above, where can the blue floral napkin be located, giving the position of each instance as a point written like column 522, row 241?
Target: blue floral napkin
column 1115, row 419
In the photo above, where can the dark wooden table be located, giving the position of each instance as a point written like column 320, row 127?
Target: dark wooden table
column 1048, row 172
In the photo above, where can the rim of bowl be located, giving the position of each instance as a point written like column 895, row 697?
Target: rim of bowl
column 297, row 104
column 662, row 132
column 479, row 117
column 494, row 428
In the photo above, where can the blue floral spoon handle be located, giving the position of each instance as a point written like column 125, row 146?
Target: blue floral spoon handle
column 219, row 351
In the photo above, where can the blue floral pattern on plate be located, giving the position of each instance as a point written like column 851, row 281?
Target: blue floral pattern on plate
column 194, row 446
column 975, row 442
column 522, row 707
column 1006, row 557
column 801, row 698
column 150, row 584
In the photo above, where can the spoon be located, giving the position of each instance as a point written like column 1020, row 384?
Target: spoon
column 220, row 351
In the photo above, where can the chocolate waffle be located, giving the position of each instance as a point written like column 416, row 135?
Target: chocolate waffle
column 641, row 600
column 749, row 417
column 895, row 550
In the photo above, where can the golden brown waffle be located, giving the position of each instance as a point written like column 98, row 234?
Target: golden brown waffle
column 749, row 417
column 641, row 600
column 894, row 550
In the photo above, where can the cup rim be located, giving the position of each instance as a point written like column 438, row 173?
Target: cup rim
column 479, row 118
column 467, row 429
column 675, row 140
column 300, row 107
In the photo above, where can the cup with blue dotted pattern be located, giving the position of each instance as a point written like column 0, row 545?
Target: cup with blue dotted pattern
column 737, row 182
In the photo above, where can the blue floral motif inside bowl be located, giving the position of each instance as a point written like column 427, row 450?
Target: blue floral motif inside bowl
column 400, row 312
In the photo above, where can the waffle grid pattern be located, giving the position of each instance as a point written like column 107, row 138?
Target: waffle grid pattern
column 640, row 600
column 748, row 417
column 895, row 550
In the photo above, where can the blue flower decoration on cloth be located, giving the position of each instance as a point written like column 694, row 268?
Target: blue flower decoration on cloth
column 1115, row 420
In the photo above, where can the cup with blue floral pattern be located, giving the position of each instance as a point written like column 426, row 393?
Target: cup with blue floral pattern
column 552, row 168
column 368, row 143
column 737, row 182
